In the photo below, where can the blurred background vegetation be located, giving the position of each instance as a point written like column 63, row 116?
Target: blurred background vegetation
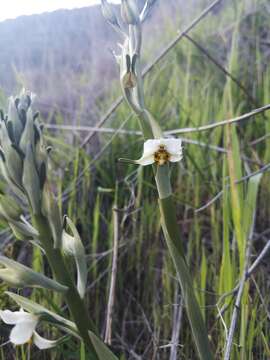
column 64, row 57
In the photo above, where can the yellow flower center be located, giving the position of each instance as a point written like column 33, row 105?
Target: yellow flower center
column 161, row 156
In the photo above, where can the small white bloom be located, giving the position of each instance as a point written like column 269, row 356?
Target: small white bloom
column 160, row 151
column 24, row 329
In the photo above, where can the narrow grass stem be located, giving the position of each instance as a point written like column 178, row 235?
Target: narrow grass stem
column 177, row 322
column 236, row 182
column 223, row 69
column 249, row 274
column 75, row 304
column 111, row 300
column 240, row 292
column 222, row 123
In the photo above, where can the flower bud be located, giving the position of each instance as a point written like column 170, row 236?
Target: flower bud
column 108, row 13
column 51, row 211
column 130, row 12
column 27, row 136
column 73, row 246
column 9, row 209
column 12, row 158
column 14, row 117
column 31, row 180
column 7, row 177
column 19, row 276
column 23, row 230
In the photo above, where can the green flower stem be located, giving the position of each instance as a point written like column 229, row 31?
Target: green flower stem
column 75, row 304
column 163, row 181
column 175, row 246
column 170, row 228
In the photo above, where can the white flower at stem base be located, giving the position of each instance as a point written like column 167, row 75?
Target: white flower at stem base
column 24, row 329
column 161, row 151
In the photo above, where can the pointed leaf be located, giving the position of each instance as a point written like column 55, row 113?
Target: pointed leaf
column 103, row 352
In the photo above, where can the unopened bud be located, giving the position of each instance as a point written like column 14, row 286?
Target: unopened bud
column 22, row 229
column 9, row 209
column 13, row 160
column 20, row 276
column 130, row 12
column 73, row 246
column 108, row 13
column 31, row 180
column 51, row 211
column 27, row 136
column 14, row 117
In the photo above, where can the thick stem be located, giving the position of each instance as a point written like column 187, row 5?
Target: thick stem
column 75, row 304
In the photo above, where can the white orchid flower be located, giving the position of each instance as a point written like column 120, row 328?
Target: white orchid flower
column 161, row 151
column 24, row 329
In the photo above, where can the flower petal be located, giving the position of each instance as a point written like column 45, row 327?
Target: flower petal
column 42, row 343
column 173, row 146
column 22, row 332
column 176, row 158
column 145, row 160
column 15, row 317
column 150, row 147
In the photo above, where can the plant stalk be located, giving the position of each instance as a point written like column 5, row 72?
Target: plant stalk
column 75, row 304
column 170, row 228
column 173, row 241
